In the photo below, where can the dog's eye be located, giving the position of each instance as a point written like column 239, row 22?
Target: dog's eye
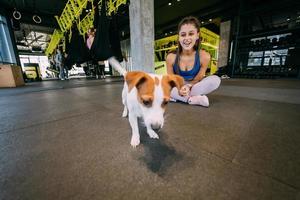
column 147, row 102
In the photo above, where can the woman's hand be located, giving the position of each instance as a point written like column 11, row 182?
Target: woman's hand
column 185, row 90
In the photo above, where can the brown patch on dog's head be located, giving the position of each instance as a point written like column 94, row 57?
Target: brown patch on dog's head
column 144, row 84
column 170, row 81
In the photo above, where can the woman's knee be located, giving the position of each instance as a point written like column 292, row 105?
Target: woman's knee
column 215, row 81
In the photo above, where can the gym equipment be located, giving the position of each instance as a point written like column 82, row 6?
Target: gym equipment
column 71, row 13
column 76, row 49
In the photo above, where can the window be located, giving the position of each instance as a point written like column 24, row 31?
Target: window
column 273, row 56
column 254, row 61
column 255, row 58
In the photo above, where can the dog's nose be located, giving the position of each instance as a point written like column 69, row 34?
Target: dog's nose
column 156, row 127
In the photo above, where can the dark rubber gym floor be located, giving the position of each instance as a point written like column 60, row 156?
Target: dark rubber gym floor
column 67, row 140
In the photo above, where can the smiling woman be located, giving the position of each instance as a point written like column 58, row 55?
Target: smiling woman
column 191, row 63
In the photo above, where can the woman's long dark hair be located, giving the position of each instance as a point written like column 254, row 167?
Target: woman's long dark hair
column 189, row 20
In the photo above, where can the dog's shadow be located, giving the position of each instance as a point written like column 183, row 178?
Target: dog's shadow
column 158, row 156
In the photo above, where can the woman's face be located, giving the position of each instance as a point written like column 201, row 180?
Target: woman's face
column 188, row 35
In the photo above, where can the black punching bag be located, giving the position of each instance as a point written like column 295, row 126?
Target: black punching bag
column 101, row 48
column 76, row 49
column 115, row 38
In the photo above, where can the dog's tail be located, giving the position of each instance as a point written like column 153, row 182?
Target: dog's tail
column 117, row 66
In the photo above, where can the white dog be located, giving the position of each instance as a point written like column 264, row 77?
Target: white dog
column 146, row 95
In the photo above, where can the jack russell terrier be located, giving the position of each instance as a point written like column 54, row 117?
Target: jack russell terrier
column 146, row 95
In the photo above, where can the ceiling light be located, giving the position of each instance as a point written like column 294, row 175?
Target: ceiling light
column 202, row 22
column 210, row 20
column 169, row 3
column 178, row 0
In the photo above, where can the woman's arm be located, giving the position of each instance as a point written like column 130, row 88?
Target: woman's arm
column 204, row 62
column 170, row 62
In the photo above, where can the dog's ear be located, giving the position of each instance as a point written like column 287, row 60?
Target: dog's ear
column 175, row 81
column 135, row 79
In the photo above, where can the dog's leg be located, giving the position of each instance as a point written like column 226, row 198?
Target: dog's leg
column 124, row 97
column 125, row 111
column 135, row 138
column 152, row 133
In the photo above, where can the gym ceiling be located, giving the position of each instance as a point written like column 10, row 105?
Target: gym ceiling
column 167, row 13
column 166, row 16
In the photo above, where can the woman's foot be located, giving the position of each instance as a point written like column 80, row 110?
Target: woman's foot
column 172, row 100
column 201, row 100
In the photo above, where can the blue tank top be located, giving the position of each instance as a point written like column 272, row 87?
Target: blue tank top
column 190, row 74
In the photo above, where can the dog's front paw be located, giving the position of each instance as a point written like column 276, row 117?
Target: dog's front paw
column 152, row 134
column 135, row 141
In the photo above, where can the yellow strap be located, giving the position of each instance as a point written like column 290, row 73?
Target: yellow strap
column 55, row 39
